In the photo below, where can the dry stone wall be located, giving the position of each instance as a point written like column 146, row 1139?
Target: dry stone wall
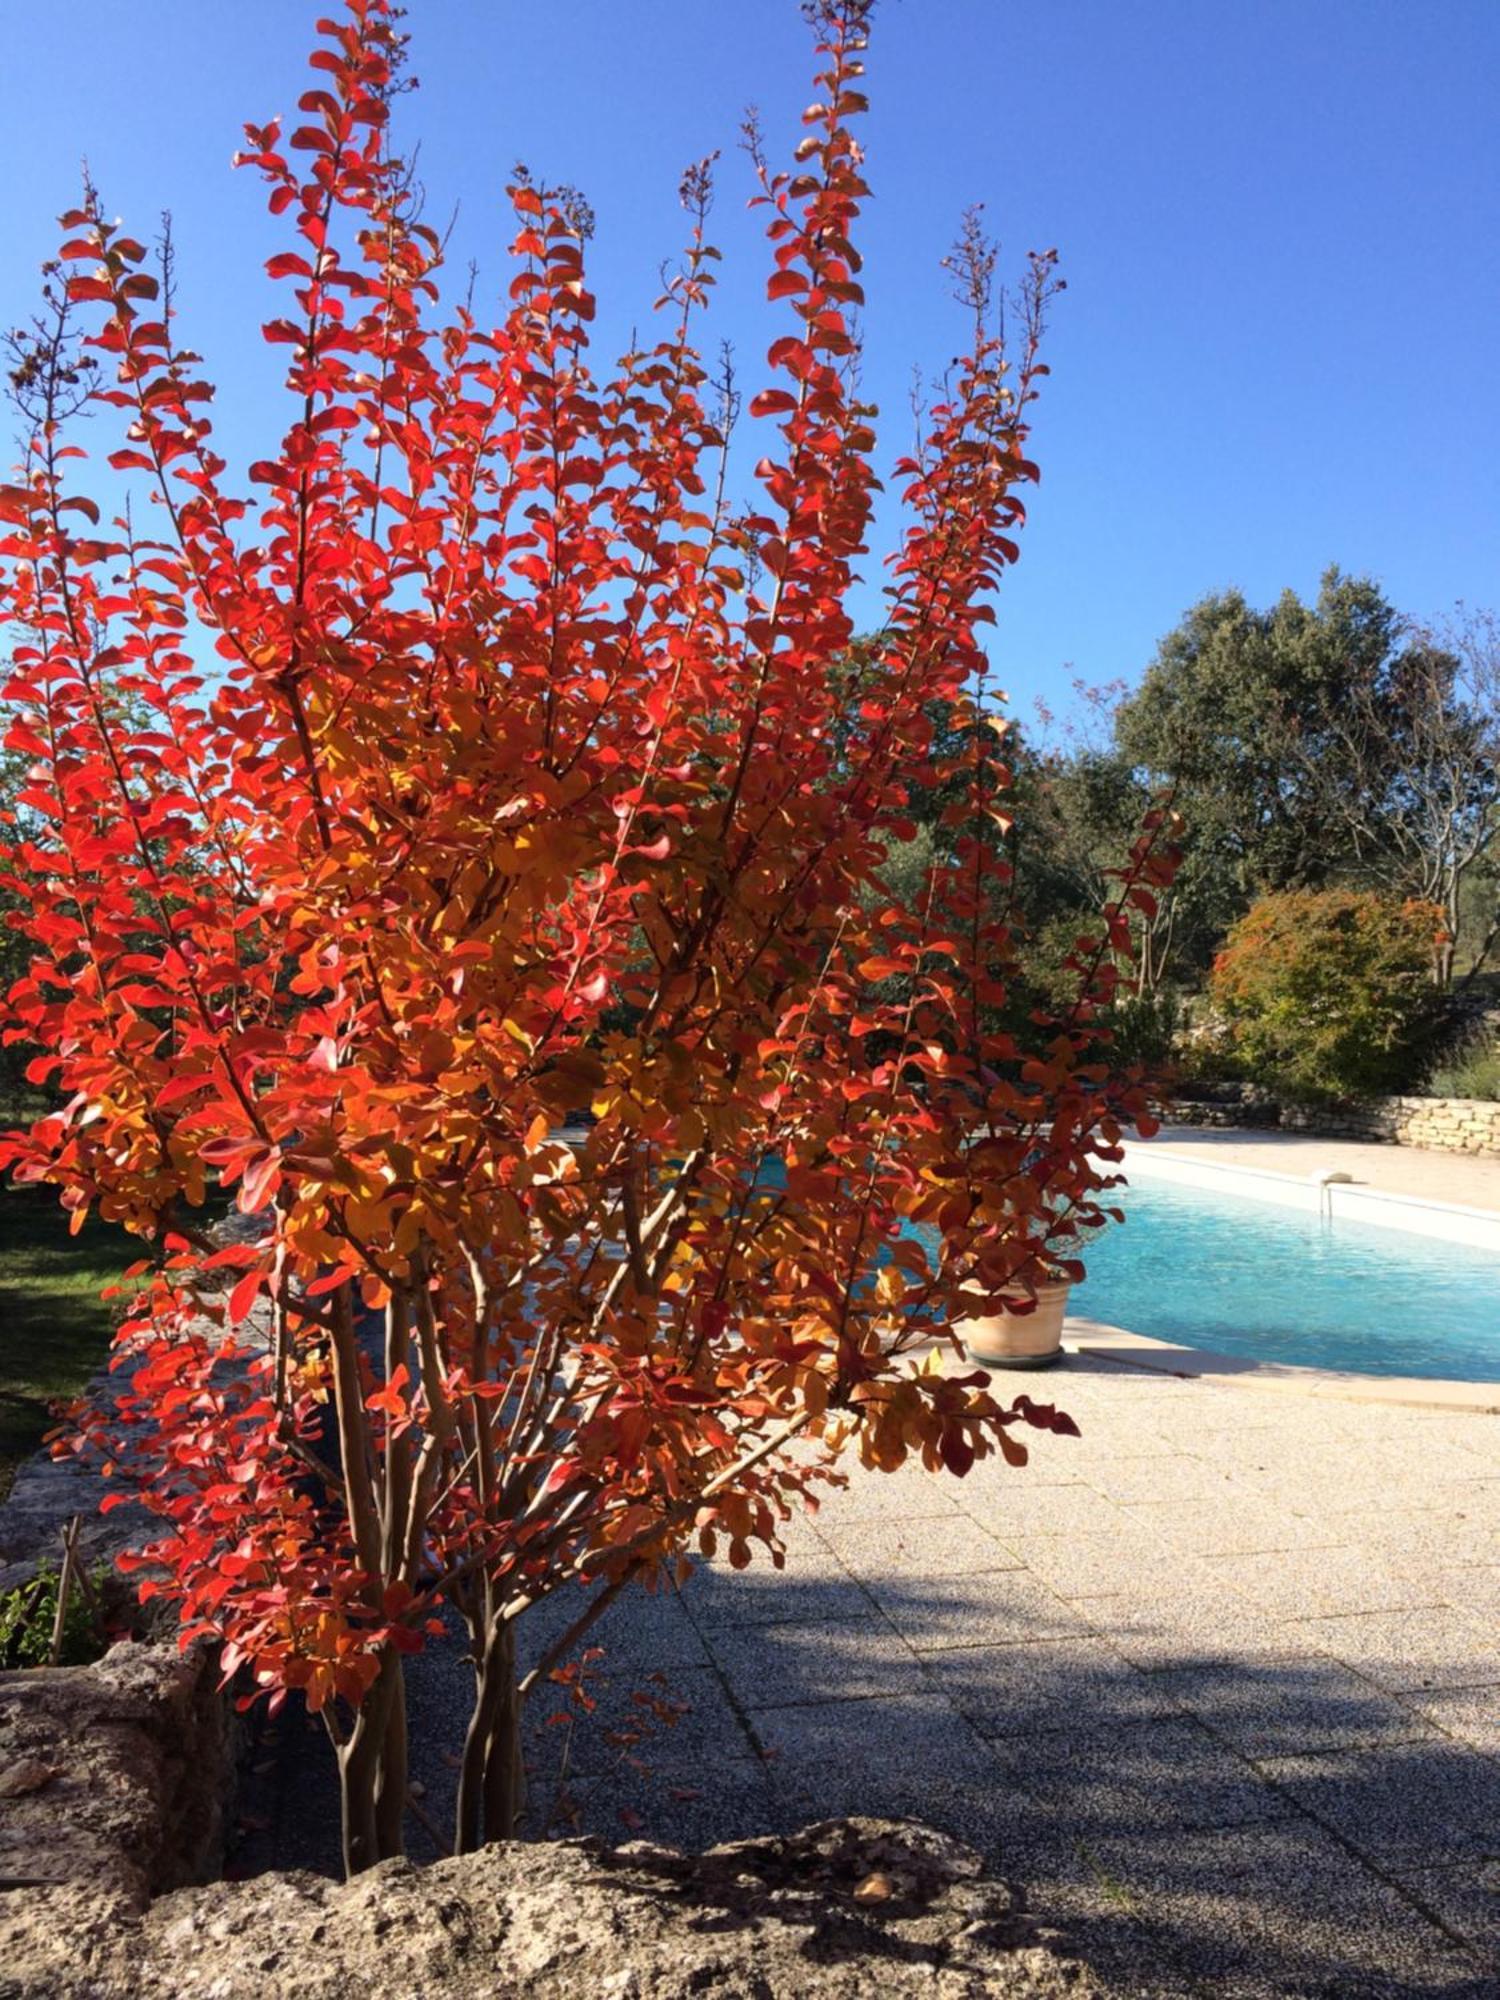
column 1442, row 1124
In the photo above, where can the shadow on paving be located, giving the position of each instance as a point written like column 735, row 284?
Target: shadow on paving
column 1192, row 1825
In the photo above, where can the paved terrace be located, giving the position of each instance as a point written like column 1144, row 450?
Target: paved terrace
column 1464, row 1178
column 1218, row 1683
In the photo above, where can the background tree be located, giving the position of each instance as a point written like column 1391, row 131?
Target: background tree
column 522, row 788
column 1239, row 709
column 1412, row 784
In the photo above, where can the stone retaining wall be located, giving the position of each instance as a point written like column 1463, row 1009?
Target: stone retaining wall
column 1226, row 1107
column 113, row 1780
column 1445, row 1124
column 1442, row 1124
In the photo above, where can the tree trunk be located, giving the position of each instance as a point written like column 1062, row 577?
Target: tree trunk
column 394, row 1777
column 490, row 1779
column 1452, row 920
column 504, row 1780
column 372, row 1773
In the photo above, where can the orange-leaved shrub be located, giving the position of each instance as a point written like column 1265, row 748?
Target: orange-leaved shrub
column 1329, row 993
column 464, row 842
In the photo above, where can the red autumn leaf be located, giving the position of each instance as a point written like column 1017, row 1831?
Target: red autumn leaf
column 244, row 1295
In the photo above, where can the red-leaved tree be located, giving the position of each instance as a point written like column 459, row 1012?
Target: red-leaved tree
column 480, row 768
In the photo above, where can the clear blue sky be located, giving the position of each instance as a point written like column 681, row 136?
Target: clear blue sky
column 1279, row 221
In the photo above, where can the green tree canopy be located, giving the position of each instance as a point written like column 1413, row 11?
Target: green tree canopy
column 1237, row 709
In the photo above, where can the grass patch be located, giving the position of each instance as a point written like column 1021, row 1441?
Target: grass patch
column 54, row 1327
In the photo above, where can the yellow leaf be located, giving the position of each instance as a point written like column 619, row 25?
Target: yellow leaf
column 890, row 1286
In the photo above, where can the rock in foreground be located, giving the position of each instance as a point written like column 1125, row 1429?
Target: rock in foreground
column 842, row 1911
column 112, row 1780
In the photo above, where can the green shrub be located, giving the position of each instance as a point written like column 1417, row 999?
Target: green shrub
column 28, row 1612
column 1145, row 1028
column 1328, row 993
column 1203, row 1051
column 1470, row 1070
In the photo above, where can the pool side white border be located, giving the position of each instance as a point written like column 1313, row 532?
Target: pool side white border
column 1094, row 1340
column 1446, row 1221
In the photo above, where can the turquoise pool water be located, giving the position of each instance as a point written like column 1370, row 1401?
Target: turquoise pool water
column 1274, row 1284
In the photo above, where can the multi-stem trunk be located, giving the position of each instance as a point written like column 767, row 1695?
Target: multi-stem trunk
column 491, row 1783
column 372, row 1758
column 373, row 1772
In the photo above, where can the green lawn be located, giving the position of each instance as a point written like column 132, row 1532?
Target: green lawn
column 54, row 1327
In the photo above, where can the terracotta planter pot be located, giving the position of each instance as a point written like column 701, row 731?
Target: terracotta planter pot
column 1020, row 1340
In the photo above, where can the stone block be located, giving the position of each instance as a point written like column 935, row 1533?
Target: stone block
column 113, row 1775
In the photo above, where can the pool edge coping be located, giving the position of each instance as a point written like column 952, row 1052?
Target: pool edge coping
column 1350, row 1200
column 1102, row 1342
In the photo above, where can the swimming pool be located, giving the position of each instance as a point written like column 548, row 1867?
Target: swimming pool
column 1213, row 1269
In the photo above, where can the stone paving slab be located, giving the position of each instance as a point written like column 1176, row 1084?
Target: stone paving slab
column 784, row 1665
column 1360, row 1490
column 1017, row 1508
column 948, row 1545
column 703, row 1803
column 1465, row 1897
column 1002, row 1607
column 1435, row 1542
column 843, row 1751
column 1472, row 1715
column 1194, row 1625
column 682, row 1722
column 1166, row 1772
column 1426, row 1801
column 1285, row 1703
column 1319, row 1583
column 1407, row 1651
column 1054, row 1684
column 1474, row 1589
column 764, row 1596
column 908, row 1495
column 1100, row 1565
column 1161, row 1479
column 1238, row 1523
column 1283, row 1908
column 646, row 1630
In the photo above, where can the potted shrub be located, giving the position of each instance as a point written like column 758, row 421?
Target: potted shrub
column 1018, row 1314
column 1026, row 1332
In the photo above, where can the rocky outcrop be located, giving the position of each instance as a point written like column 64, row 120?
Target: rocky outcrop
column 842, row 1911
